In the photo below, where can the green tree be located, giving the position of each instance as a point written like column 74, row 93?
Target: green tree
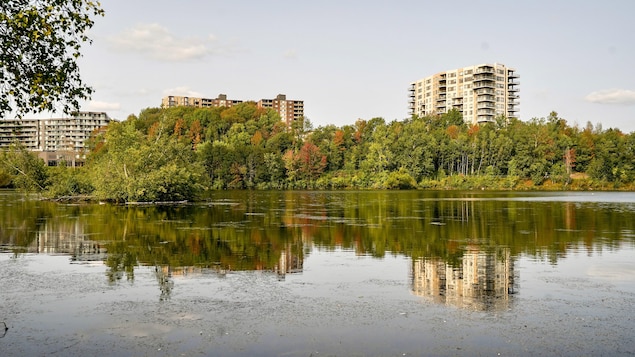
column 41, row 42
column 139, row 168
column 26, row 170
column 67, row 181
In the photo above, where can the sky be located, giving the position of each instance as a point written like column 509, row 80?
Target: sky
column 350, row 60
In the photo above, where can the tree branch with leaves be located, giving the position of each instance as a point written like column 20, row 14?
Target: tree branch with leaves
column 41, row 41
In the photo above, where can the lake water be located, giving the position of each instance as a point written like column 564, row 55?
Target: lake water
column 369, row 273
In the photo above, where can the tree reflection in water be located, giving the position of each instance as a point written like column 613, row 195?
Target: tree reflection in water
column 463, row 245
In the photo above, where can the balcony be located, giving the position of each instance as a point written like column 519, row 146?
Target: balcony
column 484, row 69
column 485, row 105
column 485, row 98
column 485, row 91
column 482, row 119
column 512, row 88
column 486, row 83
column 485, row 112
column 481, row 76
column 512, row 74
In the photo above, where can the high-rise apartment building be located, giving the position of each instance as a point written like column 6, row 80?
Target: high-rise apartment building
column 480, row 93
column 55, row 138
column 288, row 109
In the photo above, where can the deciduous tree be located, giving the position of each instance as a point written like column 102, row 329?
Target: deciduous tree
column 41, row 41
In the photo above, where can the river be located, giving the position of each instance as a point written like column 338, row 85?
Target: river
column 330, row 273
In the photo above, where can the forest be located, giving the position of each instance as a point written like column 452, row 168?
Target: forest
column 181, row 153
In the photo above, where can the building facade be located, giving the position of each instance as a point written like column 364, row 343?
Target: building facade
column 181, row 101
column 55, row 139
column 288, row 109
column 481, row 93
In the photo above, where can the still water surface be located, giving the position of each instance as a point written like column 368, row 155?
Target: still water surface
column 321, row 273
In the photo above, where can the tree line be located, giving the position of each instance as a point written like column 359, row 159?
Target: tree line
column 180, row 153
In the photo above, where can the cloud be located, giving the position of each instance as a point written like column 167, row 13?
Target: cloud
column 182, row 91
column 612, row 96
column 97, row 106
column 157, row 42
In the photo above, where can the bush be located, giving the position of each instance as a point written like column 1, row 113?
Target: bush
column 400, row 180
column 68, row 182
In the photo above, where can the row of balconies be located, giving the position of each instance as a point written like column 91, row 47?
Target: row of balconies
column 484, row 69
column 485, row 98
column 480, row 76
column 485, row 91
column 484, row 83
column 485, row 105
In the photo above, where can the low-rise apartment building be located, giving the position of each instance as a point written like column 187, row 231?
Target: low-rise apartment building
column 481, row 93
column 288, row 109
column 183, row 101
column 55, row 139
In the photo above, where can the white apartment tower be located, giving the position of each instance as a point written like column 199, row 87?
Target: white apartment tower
column 480, row 93
column 55, row 139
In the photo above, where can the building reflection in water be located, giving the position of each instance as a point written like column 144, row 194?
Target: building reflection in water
column 480, row 280
column 67, row 238
column 289, row 262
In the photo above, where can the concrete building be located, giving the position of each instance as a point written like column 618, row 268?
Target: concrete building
column 181, row 101
column 55, row 139
column 481, row 93
column 288, row 109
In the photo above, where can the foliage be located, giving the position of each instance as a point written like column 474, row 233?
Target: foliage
column 26, row 170
column 41, row 42
column 137, row 167
column 68, row 182
column 179, row 153
column 243, row 147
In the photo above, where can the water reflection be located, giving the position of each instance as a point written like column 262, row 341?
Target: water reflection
column 479, row 280
column 463, row 245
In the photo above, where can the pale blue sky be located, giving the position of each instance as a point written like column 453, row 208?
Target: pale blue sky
column 355, row 59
